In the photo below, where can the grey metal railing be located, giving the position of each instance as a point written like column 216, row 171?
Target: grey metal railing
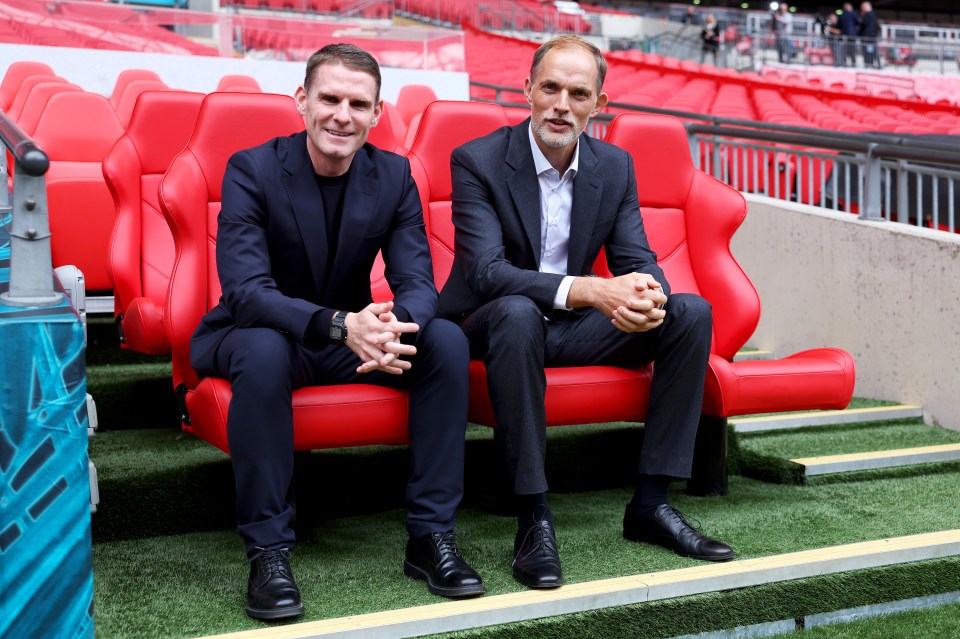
column 878, row 176
column 31, row 271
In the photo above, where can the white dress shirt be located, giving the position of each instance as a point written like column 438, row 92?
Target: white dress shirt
column 556, row 207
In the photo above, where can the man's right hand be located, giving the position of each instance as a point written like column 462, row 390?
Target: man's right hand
column 373, row 334
column 633, row 302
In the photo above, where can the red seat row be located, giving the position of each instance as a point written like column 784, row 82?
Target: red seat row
column 691, row 218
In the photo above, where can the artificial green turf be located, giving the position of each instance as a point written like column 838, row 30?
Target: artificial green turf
column 167, row 563
column 940, row 622
column 815, row 441
column 747, row 606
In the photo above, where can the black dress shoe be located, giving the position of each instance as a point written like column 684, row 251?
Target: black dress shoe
column 271, row 591
column 667, row 527
column 536, row 561
column 436, row 559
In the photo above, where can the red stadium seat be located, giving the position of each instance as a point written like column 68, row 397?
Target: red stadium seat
column 690, row 219
column 239, row 82
column 128, row 98
column 26, row 88
column 36, row 102
column 575, row 395
column 324, row 416
column 140, row 256
column 14, row 77
column 126, row 77
column 413, row 99
column 76, row 129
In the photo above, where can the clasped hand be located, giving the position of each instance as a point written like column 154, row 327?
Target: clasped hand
column 373, row 334
column 634, row 302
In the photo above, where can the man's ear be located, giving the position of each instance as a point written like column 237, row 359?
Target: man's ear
column 301, row 97
column 602, row 100
column 528, row 90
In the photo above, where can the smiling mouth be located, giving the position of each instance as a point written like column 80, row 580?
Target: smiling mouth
column 338, row 134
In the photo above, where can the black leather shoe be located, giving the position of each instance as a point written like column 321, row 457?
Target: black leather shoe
column 437, row 560
column 536, row 561
column 667, row 527
column 271, row 591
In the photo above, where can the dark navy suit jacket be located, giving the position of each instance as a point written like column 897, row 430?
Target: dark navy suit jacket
column 272, row 243
column 496, row 212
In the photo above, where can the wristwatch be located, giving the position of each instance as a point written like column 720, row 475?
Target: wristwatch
column 338, row 327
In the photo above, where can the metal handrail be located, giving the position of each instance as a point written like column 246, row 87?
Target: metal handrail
column 31, row 270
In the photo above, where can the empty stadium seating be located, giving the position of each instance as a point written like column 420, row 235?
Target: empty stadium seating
column 324, row 416
column 128, row 98
column 140, row 256
column 128, row 76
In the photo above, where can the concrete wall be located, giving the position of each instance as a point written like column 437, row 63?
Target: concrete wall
column 96, row 70
column 887, row 293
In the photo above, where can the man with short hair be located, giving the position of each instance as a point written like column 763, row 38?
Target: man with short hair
column 869, row 35
column 533, row 204
column 302, row 220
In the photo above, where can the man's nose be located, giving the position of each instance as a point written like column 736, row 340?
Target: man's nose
column 562, row 105
column 342, row 112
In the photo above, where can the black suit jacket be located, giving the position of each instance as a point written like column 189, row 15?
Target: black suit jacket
column 496, row 212
column 272, row 243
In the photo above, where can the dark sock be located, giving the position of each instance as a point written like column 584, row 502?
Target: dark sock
column 531, row 509
column 651, row 492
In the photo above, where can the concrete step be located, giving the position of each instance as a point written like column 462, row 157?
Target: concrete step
column 831, row 464
column 594, row 595
column 825, row 418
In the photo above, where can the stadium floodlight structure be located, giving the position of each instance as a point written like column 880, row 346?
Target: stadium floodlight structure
column 31, row 271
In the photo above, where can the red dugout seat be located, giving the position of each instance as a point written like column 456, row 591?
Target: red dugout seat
column 126, row 77
column 324, row 416
column 690, row 218
column 140, row 256
column 14, row 77
column 26, row 88
column 76, row 129
column 575, row 395
column 128, row 98
column 240, row 83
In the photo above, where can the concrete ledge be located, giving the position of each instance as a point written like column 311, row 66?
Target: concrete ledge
column 824, row 418
column 878, row 459
column 886, row 292
column 594, row 595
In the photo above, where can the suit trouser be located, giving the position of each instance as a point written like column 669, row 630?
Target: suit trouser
column 515, row 342
column 265, row 366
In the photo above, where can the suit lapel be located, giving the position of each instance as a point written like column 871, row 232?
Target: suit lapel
column 306, row 203
column 360, row 198
column 587, row 192
column 524, row 187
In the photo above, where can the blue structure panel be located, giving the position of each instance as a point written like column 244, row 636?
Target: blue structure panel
column 46, row 574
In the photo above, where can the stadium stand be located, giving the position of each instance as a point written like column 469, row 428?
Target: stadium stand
column 140, row 257
column 76, row 129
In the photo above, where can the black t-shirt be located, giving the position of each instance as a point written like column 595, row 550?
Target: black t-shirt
column 331, row 192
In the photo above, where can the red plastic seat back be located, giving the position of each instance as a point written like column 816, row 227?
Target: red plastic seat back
column 444, row 127
column 128, row 99
column 77, row 129
column 239, row 83
column 26, row 88
column 14, row 77
column 690, row 218
column 190, row 194
column 36, row 102
column 141, row 255
column 126, row 77
column 413, row 100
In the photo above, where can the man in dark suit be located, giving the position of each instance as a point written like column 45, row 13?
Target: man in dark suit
column 301, row 222
column 532, row 205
